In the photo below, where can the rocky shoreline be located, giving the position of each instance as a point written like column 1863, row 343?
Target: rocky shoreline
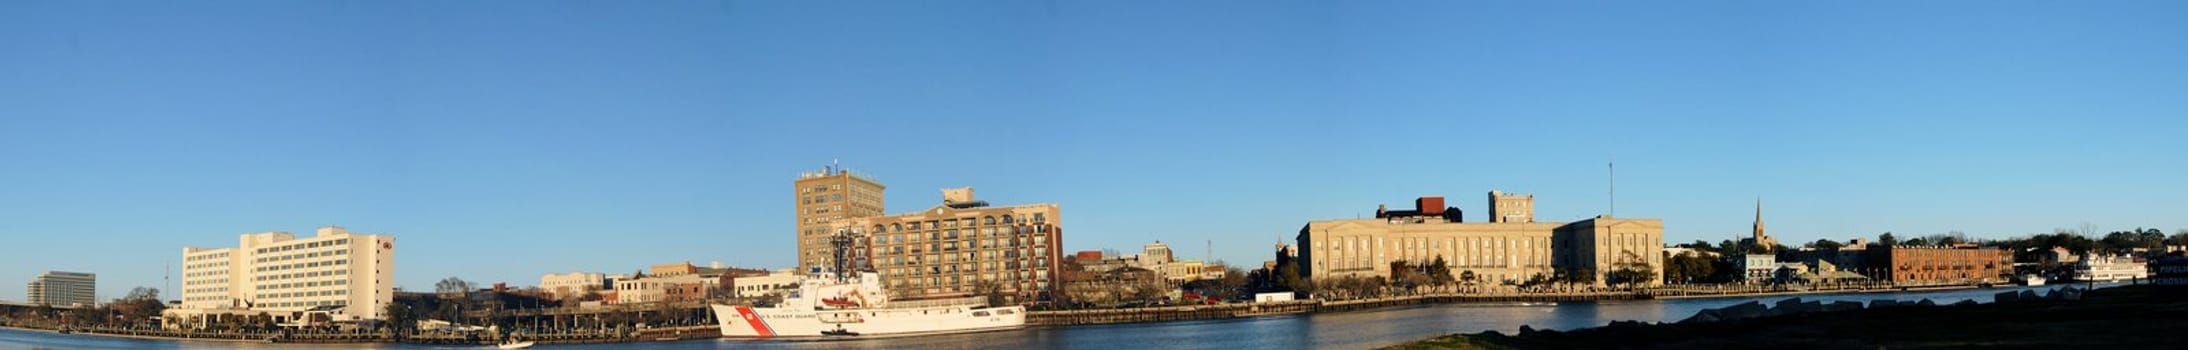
column 2133, row 317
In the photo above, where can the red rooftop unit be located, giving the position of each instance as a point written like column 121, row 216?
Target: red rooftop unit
column 1432, row 205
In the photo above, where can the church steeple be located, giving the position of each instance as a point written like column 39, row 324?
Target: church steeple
column 1762, row 238
column 1758, row 219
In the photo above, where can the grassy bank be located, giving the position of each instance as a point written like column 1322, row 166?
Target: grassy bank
column 2132, row 317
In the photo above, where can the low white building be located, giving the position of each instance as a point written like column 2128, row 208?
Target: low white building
column 1756, row 268
column 1272, row 297
column 776, row 282
column 569, row 285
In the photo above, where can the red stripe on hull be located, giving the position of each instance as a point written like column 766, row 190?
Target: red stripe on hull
column 758, row 326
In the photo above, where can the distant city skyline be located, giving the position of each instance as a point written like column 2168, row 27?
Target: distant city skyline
column 497, row 143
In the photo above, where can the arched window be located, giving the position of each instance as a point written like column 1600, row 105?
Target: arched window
column 1007, row 219
column 989, row 220
column 896, row 227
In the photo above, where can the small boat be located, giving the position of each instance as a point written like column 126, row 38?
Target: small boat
column 2032, row 280
column 514, row 345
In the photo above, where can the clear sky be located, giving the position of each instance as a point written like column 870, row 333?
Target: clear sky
column 501, row 140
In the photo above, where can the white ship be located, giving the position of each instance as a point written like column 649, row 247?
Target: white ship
column 831, row 308
column 2110, row 269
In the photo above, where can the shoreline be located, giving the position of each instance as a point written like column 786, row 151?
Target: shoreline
column 1840, row 291
column 143, row 337
column 2129, row 317
column 1185, row 313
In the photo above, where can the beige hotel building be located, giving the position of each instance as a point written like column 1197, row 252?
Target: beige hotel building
column 1511, row 247
column 350, row 276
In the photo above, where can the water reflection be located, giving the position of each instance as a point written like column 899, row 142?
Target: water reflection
column 1352, row 330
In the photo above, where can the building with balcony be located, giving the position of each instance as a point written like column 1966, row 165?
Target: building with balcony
column 950, row 248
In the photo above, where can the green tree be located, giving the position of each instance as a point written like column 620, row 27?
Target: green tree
column 1439, row 271
column 1887, row 240
column 1580, row 276
column 400, row 320
column 1826, row 244
column 1231, row 286
column 992, row 290
column 1688, row 268
column 1400, row 270
column 1631, row 269
column 1287, row 278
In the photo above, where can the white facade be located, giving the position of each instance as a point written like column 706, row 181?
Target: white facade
column 276, row 271
column 1757, row 267
column 567, row 285
column 779, row 282
column 61, row 288
column 1181, row 271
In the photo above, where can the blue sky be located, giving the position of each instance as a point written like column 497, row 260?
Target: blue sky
column 501, row 140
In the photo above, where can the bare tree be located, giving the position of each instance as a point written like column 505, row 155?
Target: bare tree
column 452, row 285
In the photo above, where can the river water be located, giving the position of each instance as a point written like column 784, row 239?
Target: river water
column 1350, row 330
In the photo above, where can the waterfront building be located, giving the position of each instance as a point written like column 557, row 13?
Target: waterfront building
column 279, row 273
column 1851, row 257
column 1756, row 268
column 1177, row 272
column 1157, row 257
column 775, row 282
column 1963, row 264
column 2059, row 256
column 947, row 249
column 63, row 288
column 1512, row 247
column 574, row 284
column 649, row 289
column 825, row 200
column 1214, row 271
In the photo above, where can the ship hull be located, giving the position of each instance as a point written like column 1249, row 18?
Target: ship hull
column 788, row 323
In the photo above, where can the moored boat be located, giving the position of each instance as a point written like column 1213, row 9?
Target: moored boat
column 827, row 307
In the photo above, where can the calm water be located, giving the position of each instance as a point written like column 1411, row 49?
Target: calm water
column 1353, row 330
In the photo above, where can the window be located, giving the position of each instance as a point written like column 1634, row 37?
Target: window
column 988, row 220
